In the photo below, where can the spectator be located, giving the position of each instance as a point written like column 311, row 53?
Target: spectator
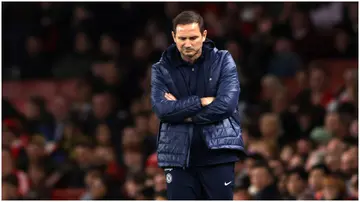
column 317, row 175
column 263, row 183
column 296, row 185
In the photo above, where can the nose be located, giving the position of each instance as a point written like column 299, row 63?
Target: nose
column 187, row 44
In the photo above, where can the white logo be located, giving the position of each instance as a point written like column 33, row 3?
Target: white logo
column 168, row 169
column 168, row 178
column 227, row 183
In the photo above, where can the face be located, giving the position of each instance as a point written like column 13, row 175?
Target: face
column 83, row 92
column 140, row 49
column 282, row 45
column 160, row 198
column 101, row 106
column 141, row 124
column 9, row 191
column 32, row 111
column 130, row 137
column 80, row 13
column 104, row 154
column 241, row 195
column 301, row 79
column 316, row 178
column 333, row 161
column 34, row 151
column 97, row 189
column 282, row 183
column 279, row 102
column 160, row 182
column 60, row 108
column 335, row 146
column 7, row 163
column 296, row 161
column 189, row 40
column 332, row 122
column 110, row 73
column 81, row 43
column 36, row 174
column 269, row 87
column 298, row 20
column 303, row 147
column 346, row 163
column 131, row 188
column 286, row 153
column 277, row 167
column 82, row 155
column 331, row 189
column 7, row 136
column 295, row 184
column 269, row 126
column 317, row 79
column 153, row 124
column 103, row 134
column 90, row 177
column 107, row 44
column 234, row 49
column 33, row 45
column 260, row 178
column 133, row 160
column 341, row 40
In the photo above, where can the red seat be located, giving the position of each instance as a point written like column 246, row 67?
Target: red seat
column 291, row 86
column 336, row 70
column 67, row 194
column 11, row 89
column 67, row 88
column 19, row 104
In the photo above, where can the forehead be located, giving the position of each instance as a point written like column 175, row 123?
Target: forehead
column 188, row 29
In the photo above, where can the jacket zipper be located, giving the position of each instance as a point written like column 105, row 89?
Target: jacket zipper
column 187, row 161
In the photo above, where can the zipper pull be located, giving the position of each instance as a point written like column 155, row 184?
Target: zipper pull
column 192, row 69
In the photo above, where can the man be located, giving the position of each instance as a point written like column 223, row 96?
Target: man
column 263, row 185
column 296, row 184
column 194, row 92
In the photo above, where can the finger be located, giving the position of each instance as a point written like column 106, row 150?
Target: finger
column 168, row 97
column 174, row 98
column 171, row 95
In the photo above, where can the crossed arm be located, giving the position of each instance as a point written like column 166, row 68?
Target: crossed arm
column 194, row 109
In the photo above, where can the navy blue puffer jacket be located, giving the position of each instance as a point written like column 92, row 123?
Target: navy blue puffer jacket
column 220, row 119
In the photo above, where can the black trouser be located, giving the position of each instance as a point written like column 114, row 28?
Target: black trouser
column 213, row 182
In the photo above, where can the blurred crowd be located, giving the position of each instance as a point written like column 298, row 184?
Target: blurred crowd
column 302, row 143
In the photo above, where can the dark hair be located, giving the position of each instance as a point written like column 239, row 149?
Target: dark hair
column 262, row 164
column 11, row 179
column 322, row 167
column 188, row 17
column 300, row 171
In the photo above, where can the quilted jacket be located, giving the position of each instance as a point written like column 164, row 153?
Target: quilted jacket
column 220, row 119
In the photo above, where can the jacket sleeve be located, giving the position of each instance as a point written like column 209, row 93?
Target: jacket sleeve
column 227, row 96
column 167, row 110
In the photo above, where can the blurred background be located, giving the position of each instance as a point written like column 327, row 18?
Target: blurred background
column 76, row 114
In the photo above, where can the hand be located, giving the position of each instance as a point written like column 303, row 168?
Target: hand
column 169, row 96
column 206, row 101
column 188, row 120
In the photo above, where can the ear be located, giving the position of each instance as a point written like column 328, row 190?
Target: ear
column 173, row 35
column 204, row 35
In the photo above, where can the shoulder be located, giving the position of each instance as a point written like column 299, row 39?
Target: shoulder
column 156, row 65
column 222, row 57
